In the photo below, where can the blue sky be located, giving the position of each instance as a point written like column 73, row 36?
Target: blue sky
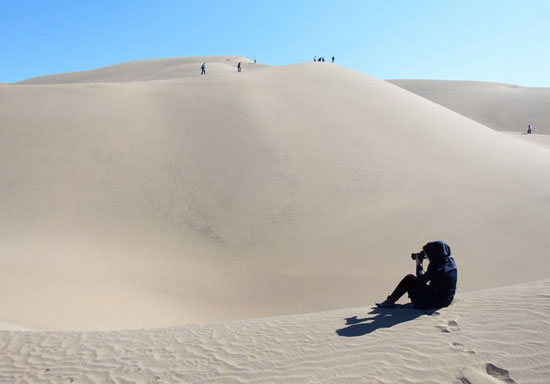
column 490, row 40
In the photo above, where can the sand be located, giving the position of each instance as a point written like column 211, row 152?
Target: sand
column 505, row 107
column 492, row 336
column 279, row 190
column 147, row 70
column 535, row 139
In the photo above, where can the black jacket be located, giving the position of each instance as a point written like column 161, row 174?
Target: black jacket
column 437, row 286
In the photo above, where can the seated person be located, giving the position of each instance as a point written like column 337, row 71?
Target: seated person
column 434, row 289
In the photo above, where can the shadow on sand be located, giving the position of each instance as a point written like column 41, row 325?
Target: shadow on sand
column 382, row 318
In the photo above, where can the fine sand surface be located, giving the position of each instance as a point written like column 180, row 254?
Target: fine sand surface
column 536, row 139
column 493, row 336
column 279, row 190
column 504, row 107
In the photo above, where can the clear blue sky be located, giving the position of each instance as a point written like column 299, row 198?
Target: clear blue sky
column 491, row 40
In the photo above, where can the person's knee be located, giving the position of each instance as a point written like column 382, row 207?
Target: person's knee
column 408, row 281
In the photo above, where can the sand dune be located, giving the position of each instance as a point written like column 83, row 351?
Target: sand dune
column 129, row 204
column 492, row 336
column 535, row 139
column 503, row 107
column 144, row 70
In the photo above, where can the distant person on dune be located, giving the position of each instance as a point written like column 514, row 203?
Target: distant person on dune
column 239, row 67
column 314, row 58
column 434, row 289
column 332, row 59
column 203, row 69
column 529, row 130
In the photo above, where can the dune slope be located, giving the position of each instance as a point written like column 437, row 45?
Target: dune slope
column 504, row 107
column 492, row 336
column 282, row 190
column 144, row 70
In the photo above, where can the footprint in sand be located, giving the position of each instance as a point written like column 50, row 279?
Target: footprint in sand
column 449, row 327
column 461, row 347
column 498, row 373
column 491, row 374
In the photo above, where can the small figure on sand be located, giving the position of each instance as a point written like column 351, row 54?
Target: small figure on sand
column 203, row 69
column 333, row 59
column 314, row 58
column 441, row 275
column 254, row 61
column 529, row 130
column 239, row 67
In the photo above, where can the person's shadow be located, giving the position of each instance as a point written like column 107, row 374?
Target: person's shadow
column 383, row 318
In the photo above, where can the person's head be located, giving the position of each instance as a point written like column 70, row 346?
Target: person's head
column 437, row 251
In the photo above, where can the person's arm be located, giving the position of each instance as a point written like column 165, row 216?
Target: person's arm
column 419, row 269
column 422, row 277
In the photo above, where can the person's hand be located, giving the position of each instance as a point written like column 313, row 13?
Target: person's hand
column 419, row 260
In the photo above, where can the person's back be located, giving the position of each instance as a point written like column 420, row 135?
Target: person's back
column 443, row 277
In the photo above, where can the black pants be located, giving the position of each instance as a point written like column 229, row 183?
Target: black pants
column 422, row 295
column 405, row 286
column 203, row 72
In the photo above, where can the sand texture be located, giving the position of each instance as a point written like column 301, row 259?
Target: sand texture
column 504, row 107
column 494, row 336
column 279, row 190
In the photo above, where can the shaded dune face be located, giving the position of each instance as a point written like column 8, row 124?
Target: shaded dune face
column 274, row 191
column 504, row 107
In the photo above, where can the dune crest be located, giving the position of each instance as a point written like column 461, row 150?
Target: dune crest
column 147, row 70
column 504, row 107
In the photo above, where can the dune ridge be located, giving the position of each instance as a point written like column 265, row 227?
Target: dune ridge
column 504, row 107
column 491, row 336
column 132, row 204
column 148, row 70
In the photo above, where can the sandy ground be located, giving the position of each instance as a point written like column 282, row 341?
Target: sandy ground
column 492, row 336
column 279, row 190
column 505, row 107
column 536, row 139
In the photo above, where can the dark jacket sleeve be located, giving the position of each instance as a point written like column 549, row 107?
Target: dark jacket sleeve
column 423, row 277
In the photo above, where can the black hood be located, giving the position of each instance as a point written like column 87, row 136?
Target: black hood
column 437, row 251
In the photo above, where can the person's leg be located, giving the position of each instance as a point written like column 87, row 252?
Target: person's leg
column 404, row 286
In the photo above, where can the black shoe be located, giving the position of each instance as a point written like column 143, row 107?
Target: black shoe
column 388, row 303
